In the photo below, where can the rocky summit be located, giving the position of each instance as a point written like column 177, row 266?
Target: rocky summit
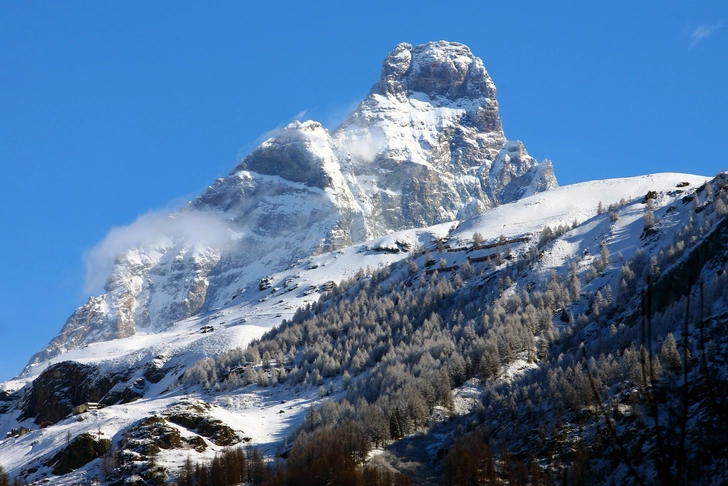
column 426, row 146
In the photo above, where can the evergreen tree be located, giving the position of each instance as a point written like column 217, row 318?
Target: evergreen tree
column 670, row 355
column 477, row 239
column 720, row 207
column 649, row 219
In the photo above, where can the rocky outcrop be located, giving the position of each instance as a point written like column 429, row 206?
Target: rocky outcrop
column 141, row 442
column 446, row 72
column 150, row 436
column 7, row 400
column 195, row 416
column 63, row 386
column 134, row 463
column 297, row 154
column 79, row 452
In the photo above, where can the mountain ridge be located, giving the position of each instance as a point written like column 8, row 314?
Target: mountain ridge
column 425, row 147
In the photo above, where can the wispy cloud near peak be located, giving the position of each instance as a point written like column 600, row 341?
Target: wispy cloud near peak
column 701, row 32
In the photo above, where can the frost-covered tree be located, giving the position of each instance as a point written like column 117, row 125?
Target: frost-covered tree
column 604, row 255
column 477, row 239
column 649, row 219
column 429, row 260
column 670, row 355
column 466, row 270
column 720, row 207
column 547, row 234
column 489, row 361
column 412, row 267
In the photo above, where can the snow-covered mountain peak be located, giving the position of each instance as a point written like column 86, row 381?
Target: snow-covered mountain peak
column 445, row 71
column 426, row 145
column 301, row 152
column 424, row 148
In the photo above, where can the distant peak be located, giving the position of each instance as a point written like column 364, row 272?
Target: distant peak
column 442, row 68
column 296, row 153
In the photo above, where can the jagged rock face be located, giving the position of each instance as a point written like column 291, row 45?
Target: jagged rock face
column 79, row 452
column 520, row 175
column 447, row 72
column 63, row 386
column 422, row 146
column 149, row 287
column 192, row 415
column 426, row 146
column 289, row 186
column 297, row 154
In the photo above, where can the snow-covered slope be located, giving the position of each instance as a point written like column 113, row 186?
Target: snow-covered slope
column 571, row 204
column 257, row 308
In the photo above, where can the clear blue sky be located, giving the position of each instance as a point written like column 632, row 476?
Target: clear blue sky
column 111, row 109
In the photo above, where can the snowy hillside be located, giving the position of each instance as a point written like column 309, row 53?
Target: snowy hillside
column 256, row 411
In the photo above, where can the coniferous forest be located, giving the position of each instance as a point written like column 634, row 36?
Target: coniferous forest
column 623, row 383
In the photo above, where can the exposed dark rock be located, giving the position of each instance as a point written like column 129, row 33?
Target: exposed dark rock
column 151, row 435
column 79, row 452
column 186, row 420
column 154, row 371
column 192, row 416
column 18, row 432
column 197, row 443
column 288, row 156
column 126, row 395
column 63, row 386
column 137, row 448
column 219, row 433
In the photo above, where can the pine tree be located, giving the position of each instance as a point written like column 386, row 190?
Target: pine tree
column 720, row 207
column 649, row 219
column 477, row 239
column 604, row 252
column 670, row 354
column 412, row 267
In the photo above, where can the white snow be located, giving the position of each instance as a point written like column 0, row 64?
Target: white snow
column 564, row 205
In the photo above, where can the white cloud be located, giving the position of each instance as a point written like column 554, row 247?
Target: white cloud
column 158, row 228
column 364, row 146
column 702, row 32
column 300, row 116
column 334, row 116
